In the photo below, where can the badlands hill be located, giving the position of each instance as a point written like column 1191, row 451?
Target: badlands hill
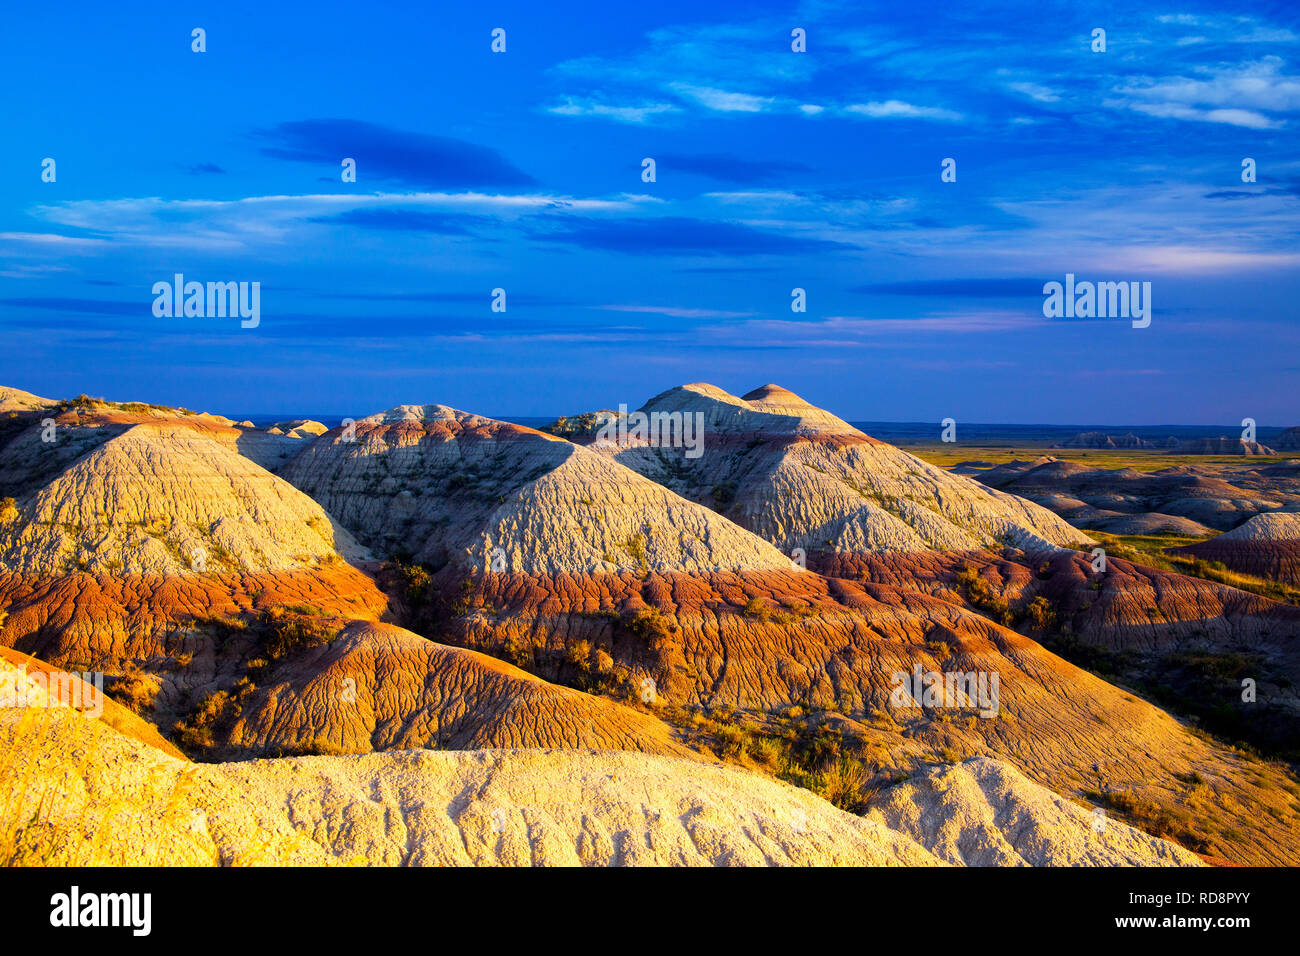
column 133, row 804
column 581, row 571
column 379, row 687
column 1267, row 546
column 16, row 400
column 298, row 428
column 985, row 813
column 1183, row 641
column 768, row 644
column 162, row 543
column 443, row 486
column 1103, row 440
column 30, row 456
column 218, row 599
column 127, row 524
column 1221, row 446
column 165, row 499
column 1128, row 501
column 758, row 636
column 799, row 477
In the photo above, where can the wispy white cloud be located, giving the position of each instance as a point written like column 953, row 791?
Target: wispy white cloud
column 676, row 312
column 624, row 114
column 1035, row 91
column 24, row 271
column 1228, row 29
column 48, row 239
column 724, row 101
column 1231, row 117
column 1192, row 259
column 897, row 109
column 1237, row 95
column 235, row 224
column 847, row 328
column 757, row 196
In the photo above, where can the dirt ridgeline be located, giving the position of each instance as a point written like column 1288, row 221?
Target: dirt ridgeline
column 764, row 643
column 445, row 486
column 1267, row 546
column 560, row 557
column 95, row 796
column 164, row 499
column 378, row 687
column 799, row 477
column 1180, row 500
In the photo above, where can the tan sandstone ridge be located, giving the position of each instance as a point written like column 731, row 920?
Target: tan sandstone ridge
column 379, row 687
column 298, row 428
column 447, row 486
column 985, row 813
column 799, row 477
column 165, row 499
column 714, row 615
column 16, row 400
column 764, row 643
column 102, row 565
column 88, row 794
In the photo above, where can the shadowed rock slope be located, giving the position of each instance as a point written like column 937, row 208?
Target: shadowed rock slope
column 1267, row 546
column 764, row 643
column 1185, row 641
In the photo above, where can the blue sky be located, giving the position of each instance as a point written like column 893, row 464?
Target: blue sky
column 775, row 170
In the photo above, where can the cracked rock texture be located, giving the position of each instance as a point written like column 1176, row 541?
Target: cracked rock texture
column 447, row 486
column 799, row 477
column 986, row 813
column 16, row 400
column 117, row 801
column 166, row 499
column 379, row 687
